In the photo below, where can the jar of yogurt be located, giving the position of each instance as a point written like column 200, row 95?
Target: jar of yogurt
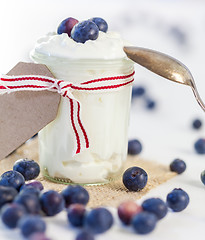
column 104, row 114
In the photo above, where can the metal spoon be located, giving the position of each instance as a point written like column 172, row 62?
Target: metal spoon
column 165, row 66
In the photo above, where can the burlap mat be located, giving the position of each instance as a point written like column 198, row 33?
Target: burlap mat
column 111, row 194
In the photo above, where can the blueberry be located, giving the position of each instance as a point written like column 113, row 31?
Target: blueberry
column 30, row 202
column 85, row 235
column 197, row 124
column 52, row 202
column 101, row 23
column 30, row 190
column 200, row 146
column 178, row 166
column 134, row 147
column 76, row 213
column 31, row 224
column 155, row 206
column 7, row 195
column 75, row 194
column 135, row 178
column 67, row 25
column 177, row 200
column 98, row 220
column 28, row 168
column 144, row 222
column 84, row 31
column 12, row 179
column 11, row 214
column 38, row 236
column 150, row 104
column 203, row 177
column 138, row 91
column 127, row 210
column 33, row 183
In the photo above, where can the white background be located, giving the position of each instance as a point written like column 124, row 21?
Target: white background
column 165, row 132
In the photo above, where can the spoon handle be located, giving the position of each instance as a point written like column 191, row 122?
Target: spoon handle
column 196, row 94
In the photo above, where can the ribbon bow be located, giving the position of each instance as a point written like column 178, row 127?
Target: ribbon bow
column 10, row 84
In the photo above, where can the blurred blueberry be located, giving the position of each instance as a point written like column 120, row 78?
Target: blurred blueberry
column 12, row 179
column 52, row 202
column 203, row 177
column 155, row 206
column 197, row 124
column 7, row 195
column 84, row 235
column 38, row 236
column 30, row 202
column 178, row 166
column 33, row 183
column 138, row 91
column 28, row 168
column 31, row 224
column 144, row 222
column 200, row 146
column 135, row 178
column 134, row 147
column 11, row 214
column 84, row 31
column 178, row 34
column 150, row 104
column 177, row 200
column 127, row 210
column 30, row 190
column 76, row 214
column 75, row 194
column 101, row 23
column 98, row 220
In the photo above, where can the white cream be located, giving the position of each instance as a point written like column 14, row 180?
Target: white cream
column 105, row 115
column 107, row 46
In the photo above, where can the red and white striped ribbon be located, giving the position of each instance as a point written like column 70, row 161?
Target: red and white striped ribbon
column 10, row 84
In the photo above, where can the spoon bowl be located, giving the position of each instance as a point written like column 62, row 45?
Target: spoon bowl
column 165, row 66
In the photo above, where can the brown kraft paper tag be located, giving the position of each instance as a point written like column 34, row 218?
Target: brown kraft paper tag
column 24, row 113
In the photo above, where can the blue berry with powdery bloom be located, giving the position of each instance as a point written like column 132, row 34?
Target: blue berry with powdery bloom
column 67, row 25
column 84, row 235
column 28, row 168
column 52, row 202
column 200, row 146
column 76, row 213
column 177, row 200
column 84, row 31
column 101, row 23
column 197, row 124
column 34, row 184
column 31, row 224
column 178, row 166
column 11, row 214
column 135, row 178
column 75, row 194
column 30, row 202
column 203, row 177
column 98, row 220
column 144, row 222
column 7, row 195
column 30, row 190
column 134, row 147
column 156, row 206
column 12, row 179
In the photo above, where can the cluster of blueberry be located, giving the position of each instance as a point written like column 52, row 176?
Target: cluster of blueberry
column 23, row 204
column 82, row 31
column 140, row 92
column 143, row 219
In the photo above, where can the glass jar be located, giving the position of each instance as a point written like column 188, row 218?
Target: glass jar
column 105, row 117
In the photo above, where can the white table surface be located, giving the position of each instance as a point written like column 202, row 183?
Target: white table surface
column 165, row 132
